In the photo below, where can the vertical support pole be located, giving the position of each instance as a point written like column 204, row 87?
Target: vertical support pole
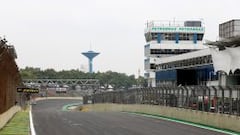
column 209, row 98
column 159, row 38
column 163, row 100
column 178, row 97
column 194, row 98
column 187, row 97
column 148, row 96
column 137, row 96
column 90, row 66
column 238, row 101
column 144, row 95
column 174, row 95
column 222, row 99
column 182, row 97
column 215, row 98
column 151, row 96
column 203, row 98
column 231, row 101
column 167, row 96
column 195, row 38
column 156, row 95
column 177, row 38
column 164, row 96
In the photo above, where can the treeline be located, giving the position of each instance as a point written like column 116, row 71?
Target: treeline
column 107, row 79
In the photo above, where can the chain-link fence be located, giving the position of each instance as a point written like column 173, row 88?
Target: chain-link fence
column 217, row 99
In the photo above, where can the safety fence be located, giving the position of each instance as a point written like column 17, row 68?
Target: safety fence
column 216, row 99
column 59, row 93
column 9, row 76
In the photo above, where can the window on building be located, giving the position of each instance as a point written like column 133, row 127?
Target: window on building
column 152, row 66
column 168, row 36
column 169, row 51
column 199, row 37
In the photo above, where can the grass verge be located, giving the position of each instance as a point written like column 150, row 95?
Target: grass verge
column 18, row 125
column 226, row 131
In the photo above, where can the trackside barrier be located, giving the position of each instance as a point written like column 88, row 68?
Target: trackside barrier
column 9, row 76
column 216, row 99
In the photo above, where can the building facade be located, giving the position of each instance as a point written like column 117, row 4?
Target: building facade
column 175, row 54
column 167, row 39
column 229, row 29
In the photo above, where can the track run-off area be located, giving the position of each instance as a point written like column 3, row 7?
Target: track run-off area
column 49, row 118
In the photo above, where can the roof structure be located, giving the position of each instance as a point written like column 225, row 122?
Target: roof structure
column 222, row 44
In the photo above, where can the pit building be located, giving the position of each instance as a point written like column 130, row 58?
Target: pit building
column 176, row 55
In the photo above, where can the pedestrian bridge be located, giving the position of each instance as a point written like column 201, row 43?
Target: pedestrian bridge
column 83, row 83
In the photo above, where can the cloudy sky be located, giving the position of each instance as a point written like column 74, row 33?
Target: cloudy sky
column 53, row 33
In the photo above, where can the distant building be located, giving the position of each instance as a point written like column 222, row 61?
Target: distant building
column 229, row 29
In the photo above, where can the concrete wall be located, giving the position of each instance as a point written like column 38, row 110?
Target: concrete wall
column 9, row 77
column 6, row 116
column 47, row 98
column 222, row 121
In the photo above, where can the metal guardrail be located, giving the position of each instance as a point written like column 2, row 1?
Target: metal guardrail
column 216, row 99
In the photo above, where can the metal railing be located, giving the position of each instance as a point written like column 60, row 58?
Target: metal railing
column 216, row 99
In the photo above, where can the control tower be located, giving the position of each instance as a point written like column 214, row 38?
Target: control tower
column 169, row 39
column 90, row 55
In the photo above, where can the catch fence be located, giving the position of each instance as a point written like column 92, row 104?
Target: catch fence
column 216, row 99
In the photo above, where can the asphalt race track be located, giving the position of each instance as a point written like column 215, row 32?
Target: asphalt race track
column 49, row 119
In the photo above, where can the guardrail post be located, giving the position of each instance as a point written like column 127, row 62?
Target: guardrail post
column 231, row 100
column 203, row 97
column 187, row 97
column 222, row 99
column 178, row 96
column 209, row 98
column 215, row 98
column 238, row 101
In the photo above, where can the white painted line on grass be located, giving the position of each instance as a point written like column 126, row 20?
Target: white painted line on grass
column 186, row 123
column 31, row 122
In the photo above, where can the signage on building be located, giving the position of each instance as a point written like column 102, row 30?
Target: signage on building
column 178, row 29
column 27, row 90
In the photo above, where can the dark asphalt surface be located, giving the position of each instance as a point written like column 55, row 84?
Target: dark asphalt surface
column 49, row 119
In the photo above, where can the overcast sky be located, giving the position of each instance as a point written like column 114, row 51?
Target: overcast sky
column 53, row 33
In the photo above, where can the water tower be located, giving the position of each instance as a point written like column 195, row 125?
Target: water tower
column 90, row 55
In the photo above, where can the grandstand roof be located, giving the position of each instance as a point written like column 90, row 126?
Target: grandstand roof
column 229, row 42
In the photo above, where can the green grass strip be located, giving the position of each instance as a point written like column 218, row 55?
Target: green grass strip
column 212, row 128
column 18, row 125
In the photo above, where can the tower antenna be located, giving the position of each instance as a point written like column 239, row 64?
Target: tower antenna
column 90, row 45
